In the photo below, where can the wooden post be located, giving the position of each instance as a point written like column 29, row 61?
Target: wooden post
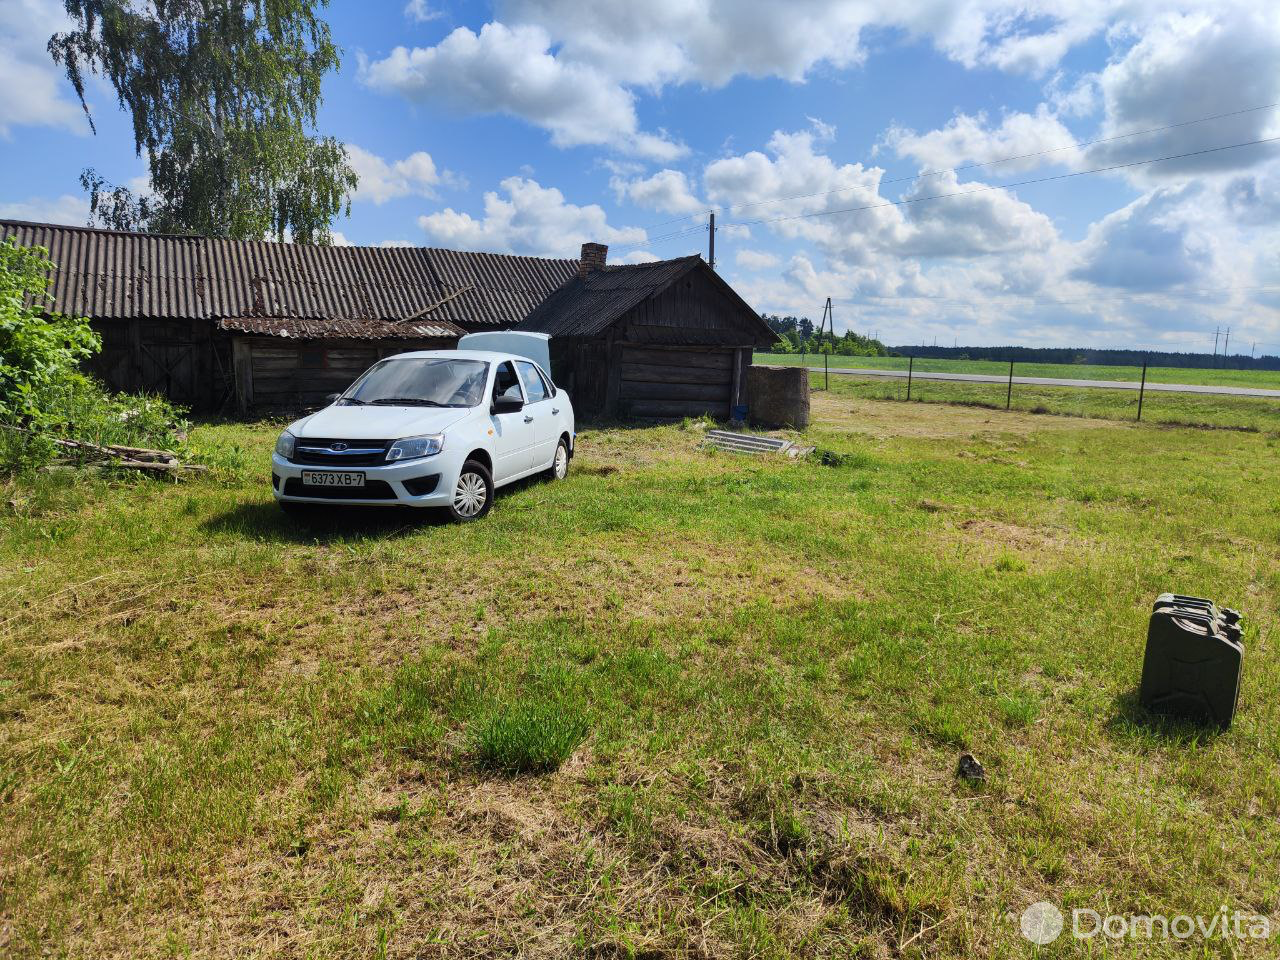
column 1142, row 388
column 911, row 362
column 735, row 396
column 242, row 364
column 1008, row 400
column 613, row 376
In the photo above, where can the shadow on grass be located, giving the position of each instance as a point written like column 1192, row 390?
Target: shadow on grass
column 1134, row 723
column 321, row 524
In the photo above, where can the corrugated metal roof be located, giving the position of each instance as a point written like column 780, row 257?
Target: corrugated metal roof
column 107, row 274
column 338, row 329
column 586, row 307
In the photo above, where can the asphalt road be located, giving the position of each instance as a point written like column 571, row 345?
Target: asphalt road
column 1058, row 382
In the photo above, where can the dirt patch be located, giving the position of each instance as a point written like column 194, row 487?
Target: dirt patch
column 884, row 418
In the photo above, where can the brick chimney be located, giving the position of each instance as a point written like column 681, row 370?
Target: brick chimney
column 592, row 258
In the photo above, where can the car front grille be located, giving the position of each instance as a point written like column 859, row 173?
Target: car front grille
column 372, row 490
column 340, row 453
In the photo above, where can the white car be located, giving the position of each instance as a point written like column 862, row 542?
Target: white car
column 435, row 428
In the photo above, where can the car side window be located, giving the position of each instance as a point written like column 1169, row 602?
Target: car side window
column 505, row 382
column 533, row 385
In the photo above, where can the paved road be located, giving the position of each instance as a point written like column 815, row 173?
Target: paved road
column 1058, row 382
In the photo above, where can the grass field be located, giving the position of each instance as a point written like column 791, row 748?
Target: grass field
column 224, row 733
column 1266, row 379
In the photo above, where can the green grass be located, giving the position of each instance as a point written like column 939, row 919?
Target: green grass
column 1266, row 379
column 1177, row 409
column 528, row 737
column 226, row 733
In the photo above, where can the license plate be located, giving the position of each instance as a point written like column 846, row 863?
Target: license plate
column 331, row 478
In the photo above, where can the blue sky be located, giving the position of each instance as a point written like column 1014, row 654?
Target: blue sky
column 530, row 126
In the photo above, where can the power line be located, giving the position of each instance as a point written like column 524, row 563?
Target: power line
column 1005, row 186
column 733, row 207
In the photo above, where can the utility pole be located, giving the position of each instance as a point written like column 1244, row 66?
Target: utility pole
column 1226, row 347
column 711, row 252
column 1216, row 334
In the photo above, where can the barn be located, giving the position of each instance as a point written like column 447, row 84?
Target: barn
column 232, row 324
column 664, row 340
column 221, row 324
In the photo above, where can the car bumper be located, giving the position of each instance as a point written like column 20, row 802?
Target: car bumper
column 387, row 486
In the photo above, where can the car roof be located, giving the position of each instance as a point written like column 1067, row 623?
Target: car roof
column 488, row 356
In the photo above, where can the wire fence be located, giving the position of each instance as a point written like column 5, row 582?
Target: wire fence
column 1163, row 395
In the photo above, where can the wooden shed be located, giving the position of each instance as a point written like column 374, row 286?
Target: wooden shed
column 217, row 324
column 661, row 340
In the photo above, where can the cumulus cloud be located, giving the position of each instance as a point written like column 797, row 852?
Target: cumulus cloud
column 969, row 140
column 750, row 259
column 34, row 93
column 421, row 11
column 667, row 191
column 381, row 181
column 511, row 70
column 68, row 209
column 530, row 219
column 1186, row 66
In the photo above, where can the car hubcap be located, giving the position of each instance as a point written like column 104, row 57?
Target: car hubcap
column 562, row 463
column 469, row 498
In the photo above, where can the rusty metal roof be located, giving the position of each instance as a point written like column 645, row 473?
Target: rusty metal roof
column 106, row 274
column 338, row 329
column 587, row 306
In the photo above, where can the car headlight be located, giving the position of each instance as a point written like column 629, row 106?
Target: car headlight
column 414, row 447
column 285, row 445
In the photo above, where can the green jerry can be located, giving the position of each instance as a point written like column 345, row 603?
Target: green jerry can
column 1193, row 660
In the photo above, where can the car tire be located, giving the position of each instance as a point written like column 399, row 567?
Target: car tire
column 472, row 494
column 292, row 508
column 559, row 468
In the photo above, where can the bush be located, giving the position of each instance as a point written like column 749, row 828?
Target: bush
column 43, row 394
column 38, row 348
column 528, row 737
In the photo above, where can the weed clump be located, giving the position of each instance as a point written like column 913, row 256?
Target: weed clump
column 527, row 737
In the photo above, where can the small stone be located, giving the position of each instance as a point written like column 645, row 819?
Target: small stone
column 970, row 769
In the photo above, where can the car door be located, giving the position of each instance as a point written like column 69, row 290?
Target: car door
column 540, row 406
column 512, row 432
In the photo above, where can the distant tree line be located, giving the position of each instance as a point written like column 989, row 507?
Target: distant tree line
column 1077, row 355
column 798, row 335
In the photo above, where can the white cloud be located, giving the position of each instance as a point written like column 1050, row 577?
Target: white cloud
column 1187, row 66
column 511, row 70
column 971, row 140
column 667, row 191
column 421, row 11
column 531, row 219
column 755, row 259
column 34, row 92
column 380, row 181
column 67, row 209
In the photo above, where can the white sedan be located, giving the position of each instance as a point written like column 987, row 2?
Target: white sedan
column 435, row 428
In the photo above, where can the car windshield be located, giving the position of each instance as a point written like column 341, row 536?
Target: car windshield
column 420, row 382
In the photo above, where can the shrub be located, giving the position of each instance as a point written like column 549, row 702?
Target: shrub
column 43, row 394
column 38, row 348
column 528, row 736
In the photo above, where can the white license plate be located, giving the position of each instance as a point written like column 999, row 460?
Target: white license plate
column 331, row 478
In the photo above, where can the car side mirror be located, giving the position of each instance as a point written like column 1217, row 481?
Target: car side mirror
column 332, row 398
column 507, row 405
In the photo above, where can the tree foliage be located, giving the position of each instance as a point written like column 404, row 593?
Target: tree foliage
column 222, row 95
column 797, row 335
column 39, row 349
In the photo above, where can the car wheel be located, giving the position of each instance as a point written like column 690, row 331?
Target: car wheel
column 294, row 509
column 473, row 493
column 560, row 464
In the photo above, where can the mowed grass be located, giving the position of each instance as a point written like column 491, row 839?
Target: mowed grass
column 1172, row 409
column 225, row 733
column 1266, row 379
